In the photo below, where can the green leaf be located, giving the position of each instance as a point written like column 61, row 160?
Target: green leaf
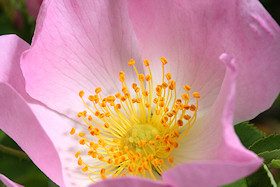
column 247, row 133
column 260, row 178
column 239, row 183
column 275, row 163
column 270, row 155
column 269, row 143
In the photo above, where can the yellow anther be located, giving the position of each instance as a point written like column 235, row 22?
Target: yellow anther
column 98, row 90
column 146, row 62
column 100, row 157
column 125, row 149
column 141, row 77
column 78, row 154
column 81, row 134
column 163, row 60
column 85, row 169
column 115, row 140
column 131, row 62
column 81, row 93
column 72, row 131
column 196, row 95
column 168, row 76
column 103, row 176
column 187, row 87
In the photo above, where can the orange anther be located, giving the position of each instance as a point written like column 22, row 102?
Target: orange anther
column 192, row 108
column 85, row 169
column 106, row 125
column 77, row 154
column 141, row 77
column 171, row 159
column 131, row 167
column 81, row 134
column 72, row 131
column 148, row 77
column 196, row 95
column 98, row 90
column 81, row 93
column 131, row 62
column 146, row 62
column 187, row 87
column 163, row 60
column 118, row 95
column 80, row 162
column 168, row 76
column 82, row 141
column 180, row 122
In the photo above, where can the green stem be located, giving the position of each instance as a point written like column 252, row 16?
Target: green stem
column 13, row 152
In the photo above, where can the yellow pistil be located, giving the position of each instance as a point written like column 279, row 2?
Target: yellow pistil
column 134, row 133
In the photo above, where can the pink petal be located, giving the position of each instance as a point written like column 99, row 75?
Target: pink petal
column 11, row 48
column 130, row 181
column 7, row 182
column 218, row 156
column 19, row 122
column 78, row 45
column 57, row 127
column 16, row 118
column 192, row 35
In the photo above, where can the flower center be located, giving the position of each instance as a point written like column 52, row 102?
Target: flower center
column 135, row 135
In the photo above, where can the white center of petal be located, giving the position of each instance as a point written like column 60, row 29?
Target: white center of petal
column 136, row 132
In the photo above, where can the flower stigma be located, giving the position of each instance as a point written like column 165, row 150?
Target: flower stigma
column 133, row 133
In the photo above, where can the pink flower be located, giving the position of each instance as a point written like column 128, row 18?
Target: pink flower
column 83, row 45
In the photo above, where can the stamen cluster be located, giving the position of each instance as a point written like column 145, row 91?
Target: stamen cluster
column 135, row 135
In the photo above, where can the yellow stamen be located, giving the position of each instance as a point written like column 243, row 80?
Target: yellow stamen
column 135, row 132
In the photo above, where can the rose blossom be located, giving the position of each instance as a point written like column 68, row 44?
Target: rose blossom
column 226, row 51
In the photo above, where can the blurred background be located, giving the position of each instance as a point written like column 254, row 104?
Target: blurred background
column 19, row 17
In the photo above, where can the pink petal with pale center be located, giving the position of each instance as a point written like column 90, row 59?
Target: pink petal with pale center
column 212, row 153
column 79, row 45
column 192, row 35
